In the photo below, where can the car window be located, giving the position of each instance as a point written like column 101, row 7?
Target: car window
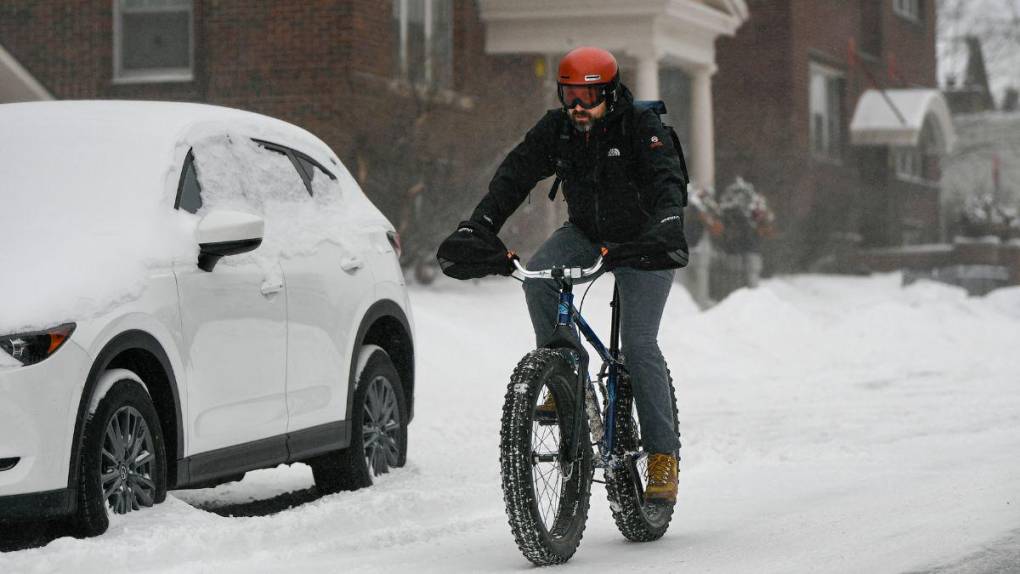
column 296, row 162
column 189, row 192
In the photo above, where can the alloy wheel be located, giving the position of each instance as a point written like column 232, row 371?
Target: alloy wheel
column 380, row 426
column 127, row 462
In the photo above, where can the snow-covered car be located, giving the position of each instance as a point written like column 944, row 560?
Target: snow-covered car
column 188, row 292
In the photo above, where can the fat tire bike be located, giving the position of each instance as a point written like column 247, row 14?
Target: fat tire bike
column 548, row 462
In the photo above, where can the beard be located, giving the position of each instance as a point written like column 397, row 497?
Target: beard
column 582, row 120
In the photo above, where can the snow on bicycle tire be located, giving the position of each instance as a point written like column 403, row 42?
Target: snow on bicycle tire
column 637, row 520
column 546, row 501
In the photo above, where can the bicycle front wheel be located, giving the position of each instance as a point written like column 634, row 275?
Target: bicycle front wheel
column 637, row 520
column 546, row 491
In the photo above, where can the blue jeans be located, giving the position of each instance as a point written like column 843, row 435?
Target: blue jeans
column 642, row 299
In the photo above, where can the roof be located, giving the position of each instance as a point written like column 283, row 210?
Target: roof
column 897, row 117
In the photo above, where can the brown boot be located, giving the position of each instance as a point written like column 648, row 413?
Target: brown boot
column 545, row 413
column 662, row 479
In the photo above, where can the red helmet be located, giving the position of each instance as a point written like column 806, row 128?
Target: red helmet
column 588, row 76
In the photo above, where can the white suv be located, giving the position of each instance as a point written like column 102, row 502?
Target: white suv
column 188, row 292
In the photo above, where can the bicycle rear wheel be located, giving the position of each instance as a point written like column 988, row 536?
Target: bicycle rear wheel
column 636, row 519
column 547, row 500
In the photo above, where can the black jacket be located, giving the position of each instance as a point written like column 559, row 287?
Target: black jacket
column 623, row 181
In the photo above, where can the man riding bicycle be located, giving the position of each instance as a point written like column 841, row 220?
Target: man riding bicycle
column 625, row 184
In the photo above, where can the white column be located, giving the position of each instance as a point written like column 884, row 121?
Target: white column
column 697, row 274
column 647, row 87
column 702, row 128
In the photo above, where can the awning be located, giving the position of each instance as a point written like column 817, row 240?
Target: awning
column 898, row 117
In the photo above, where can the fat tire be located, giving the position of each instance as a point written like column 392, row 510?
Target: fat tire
column 637, row 522
column 91, row 517
column 347, row 469
column 543, row 368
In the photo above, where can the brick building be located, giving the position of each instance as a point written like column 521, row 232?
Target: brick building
column 798, row 115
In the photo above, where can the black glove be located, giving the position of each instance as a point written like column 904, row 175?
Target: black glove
column 661, row 247
column 472, row 251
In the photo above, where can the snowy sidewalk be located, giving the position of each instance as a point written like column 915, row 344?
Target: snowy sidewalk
column 830, row 425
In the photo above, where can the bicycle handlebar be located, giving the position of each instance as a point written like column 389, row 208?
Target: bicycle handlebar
column 559, row 272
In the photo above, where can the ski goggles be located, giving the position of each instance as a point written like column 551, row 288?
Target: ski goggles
column 588, row 97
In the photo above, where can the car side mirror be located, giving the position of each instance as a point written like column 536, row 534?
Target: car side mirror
column 223, row 233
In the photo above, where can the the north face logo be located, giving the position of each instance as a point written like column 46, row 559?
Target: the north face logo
column 613, row 152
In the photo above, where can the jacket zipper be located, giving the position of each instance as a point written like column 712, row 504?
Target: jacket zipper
column 595, row 186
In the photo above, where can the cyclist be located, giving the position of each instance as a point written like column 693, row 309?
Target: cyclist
column 625, row 187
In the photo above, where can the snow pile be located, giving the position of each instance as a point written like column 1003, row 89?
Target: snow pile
column 844, row 422
column 83, row 218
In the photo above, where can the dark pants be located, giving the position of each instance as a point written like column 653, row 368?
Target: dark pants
column 642, row 299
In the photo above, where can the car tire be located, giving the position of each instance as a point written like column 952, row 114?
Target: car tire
column 120, row 469
column 378, row 431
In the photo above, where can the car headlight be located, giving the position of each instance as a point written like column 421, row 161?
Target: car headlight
column 31, row 348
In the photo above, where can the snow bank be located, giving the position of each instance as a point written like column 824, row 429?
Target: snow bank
column 844, row 422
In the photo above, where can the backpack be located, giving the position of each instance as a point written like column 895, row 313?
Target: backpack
column 657, row 106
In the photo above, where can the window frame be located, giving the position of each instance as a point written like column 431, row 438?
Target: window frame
column 907, row 163
column 400, row 13
column 912, row 10
column 155, row 75
column 835, row 143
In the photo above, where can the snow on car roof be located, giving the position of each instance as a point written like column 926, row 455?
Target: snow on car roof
column 160, row 122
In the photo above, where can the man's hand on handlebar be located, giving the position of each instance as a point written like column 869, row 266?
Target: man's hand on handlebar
column 575, row 273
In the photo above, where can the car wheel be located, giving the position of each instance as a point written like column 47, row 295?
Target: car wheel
column 123, row 461
column 378, row 431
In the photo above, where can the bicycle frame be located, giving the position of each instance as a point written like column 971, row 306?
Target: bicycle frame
column 569, row 316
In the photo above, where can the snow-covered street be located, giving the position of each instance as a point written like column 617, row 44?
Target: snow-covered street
column 830, row 424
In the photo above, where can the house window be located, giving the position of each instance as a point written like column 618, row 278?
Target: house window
column 907, row 162
column 153, row 40
column 910, row 9
column 918, row 164
column 826, row 101
column 424, row 46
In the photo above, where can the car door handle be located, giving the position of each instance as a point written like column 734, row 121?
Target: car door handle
column 351, row 264
column 271, row 288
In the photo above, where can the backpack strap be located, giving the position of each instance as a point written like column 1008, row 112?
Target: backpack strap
column 659, row 107
column 562, row 142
